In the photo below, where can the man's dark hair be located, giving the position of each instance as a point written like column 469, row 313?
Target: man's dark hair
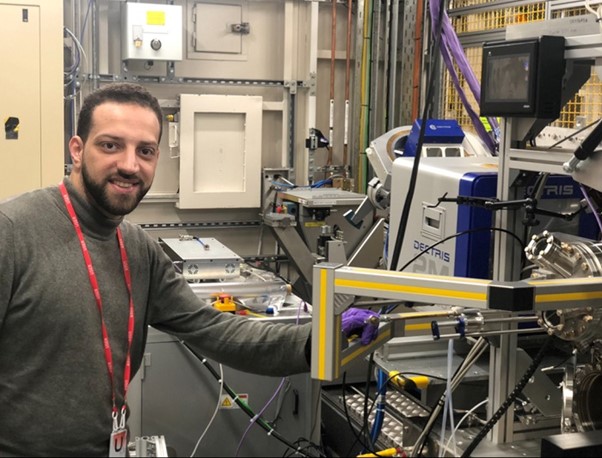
column 119, row 93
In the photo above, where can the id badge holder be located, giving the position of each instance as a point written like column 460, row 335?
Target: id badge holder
column 119, row 437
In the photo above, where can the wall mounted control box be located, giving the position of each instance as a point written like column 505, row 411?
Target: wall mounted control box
column 151, row 32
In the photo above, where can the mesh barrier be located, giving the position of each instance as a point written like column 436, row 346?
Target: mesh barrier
column 586, row 106
column 467, row 3
column 453, row 107
column 490, row 20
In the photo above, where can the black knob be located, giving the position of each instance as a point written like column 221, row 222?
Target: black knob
column 156, row 44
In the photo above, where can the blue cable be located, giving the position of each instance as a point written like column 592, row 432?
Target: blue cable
column 380, row 405
column 321, row 183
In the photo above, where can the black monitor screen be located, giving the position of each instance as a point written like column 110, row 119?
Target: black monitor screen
column 523, row 77
column 508, row 78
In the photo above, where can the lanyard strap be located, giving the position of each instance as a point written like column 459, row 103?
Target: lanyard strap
column 94, row 283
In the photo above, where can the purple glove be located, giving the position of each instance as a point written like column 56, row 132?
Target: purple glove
column 360, row 322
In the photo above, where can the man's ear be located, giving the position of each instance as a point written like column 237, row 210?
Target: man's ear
column 76, row 148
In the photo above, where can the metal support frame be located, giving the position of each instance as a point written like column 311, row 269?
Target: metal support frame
column 335, row 286
column 583, row 47
column 330, row 281
column 296, row 249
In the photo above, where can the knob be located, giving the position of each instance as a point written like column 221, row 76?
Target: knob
column 155, row 44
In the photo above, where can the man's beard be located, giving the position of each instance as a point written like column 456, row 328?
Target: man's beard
column 118, row 205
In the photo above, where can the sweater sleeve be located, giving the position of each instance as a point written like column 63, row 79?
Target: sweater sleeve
column 7, row 265
column 258, row 347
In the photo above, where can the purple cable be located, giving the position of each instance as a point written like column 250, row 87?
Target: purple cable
column 457, row 51
column 256, row 417
column 451, row 44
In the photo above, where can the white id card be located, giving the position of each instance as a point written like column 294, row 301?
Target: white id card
column 119, row 443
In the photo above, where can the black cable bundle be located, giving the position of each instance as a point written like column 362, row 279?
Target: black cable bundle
column 295, row 447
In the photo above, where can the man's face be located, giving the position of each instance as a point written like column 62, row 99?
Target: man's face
column 114, row 169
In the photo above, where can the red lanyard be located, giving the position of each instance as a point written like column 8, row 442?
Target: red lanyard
column 94, row 283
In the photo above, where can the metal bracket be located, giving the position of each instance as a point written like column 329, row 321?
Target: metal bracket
column 310, row 83
column 292, row 86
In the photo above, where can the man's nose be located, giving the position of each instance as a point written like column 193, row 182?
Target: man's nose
column 128, row 161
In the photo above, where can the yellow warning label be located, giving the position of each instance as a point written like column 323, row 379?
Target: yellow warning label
column 227, row 402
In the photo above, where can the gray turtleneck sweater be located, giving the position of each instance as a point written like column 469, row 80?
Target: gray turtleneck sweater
column 55, row 392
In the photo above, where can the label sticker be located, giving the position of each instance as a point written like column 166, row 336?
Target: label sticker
column 228, row 403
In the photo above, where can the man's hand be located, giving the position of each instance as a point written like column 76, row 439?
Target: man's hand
column 362, row 322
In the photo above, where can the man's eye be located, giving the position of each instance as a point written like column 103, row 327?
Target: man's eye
column 110, row 146
column 147, row 151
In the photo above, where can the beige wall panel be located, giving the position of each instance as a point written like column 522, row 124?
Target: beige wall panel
column 32, row 91
column 20, row 151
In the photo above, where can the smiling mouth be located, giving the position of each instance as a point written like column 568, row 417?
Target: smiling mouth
column 123, row 184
